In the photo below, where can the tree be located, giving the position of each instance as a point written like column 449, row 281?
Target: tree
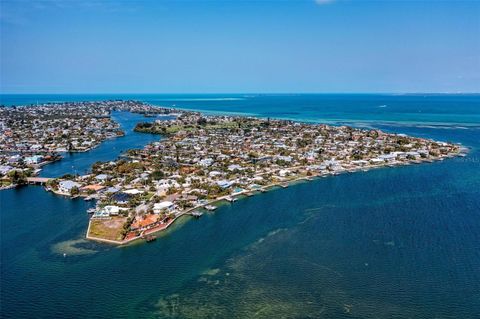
column 202, row 121
column 96, row 166
column 156, row 175
column 171, row 190
column 74, row 191
column 53, row 183
column 68, row 176
column 17, row 177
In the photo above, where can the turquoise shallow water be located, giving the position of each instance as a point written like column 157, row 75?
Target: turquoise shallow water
column 388, row 243
column 350, row 108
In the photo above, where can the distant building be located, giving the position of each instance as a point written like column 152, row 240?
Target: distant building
column 206, row 162
column 224, row 184
column 101, row 177
column 4, row 169
column 36, row 159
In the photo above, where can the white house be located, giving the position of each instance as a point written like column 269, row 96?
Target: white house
column 224, row 184
column 206, row 162
column 388, row 157
column 283, row 172
column 66, row 186
column 109, row 210
column 101, row 177
column 35, row 159
column 164, row 206
column 133, row 191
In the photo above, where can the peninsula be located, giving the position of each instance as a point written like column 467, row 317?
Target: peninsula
column 200, row 161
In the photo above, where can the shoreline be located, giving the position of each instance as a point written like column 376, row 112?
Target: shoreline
column 299, row 171
column 263, row 189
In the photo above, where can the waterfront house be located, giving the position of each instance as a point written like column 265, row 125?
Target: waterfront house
column 144, row 222
column 109, row 210
column 376, row 161
column 413, row 154
column 35, row 159
column 388, row 157
column 66, row 186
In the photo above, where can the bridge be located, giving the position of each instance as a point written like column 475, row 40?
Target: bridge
column 38, row 180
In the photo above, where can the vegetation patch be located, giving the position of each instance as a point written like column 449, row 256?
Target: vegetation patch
column 111, row 229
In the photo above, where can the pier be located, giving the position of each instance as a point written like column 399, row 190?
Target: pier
column 196, row 214
column 230, row 199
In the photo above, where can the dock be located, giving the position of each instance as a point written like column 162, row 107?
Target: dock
column 196, row 214
column 230, row 199
column 210, row 207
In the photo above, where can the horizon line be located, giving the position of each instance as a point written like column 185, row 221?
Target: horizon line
column 236, row 93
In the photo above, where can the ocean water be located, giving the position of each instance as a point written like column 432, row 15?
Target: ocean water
column 110, row 149
column 389, row 243
column 430, row 109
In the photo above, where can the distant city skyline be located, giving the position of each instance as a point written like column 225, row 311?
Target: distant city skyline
column 321, row 46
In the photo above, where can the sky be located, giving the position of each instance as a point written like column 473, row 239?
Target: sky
column 321, row 46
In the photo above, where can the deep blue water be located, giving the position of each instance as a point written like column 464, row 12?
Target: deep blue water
column 388, row 243
column 110, row 149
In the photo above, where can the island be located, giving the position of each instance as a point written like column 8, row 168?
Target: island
column 203, row 160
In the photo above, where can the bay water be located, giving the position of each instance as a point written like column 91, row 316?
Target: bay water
column 388, row 243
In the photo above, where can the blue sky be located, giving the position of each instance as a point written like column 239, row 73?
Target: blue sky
column 239, row 46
